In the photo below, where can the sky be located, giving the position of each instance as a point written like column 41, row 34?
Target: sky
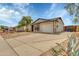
column 11, row 13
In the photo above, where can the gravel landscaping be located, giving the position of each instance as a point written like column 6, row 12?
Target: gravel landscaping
column 64, row 45
column 14, row 34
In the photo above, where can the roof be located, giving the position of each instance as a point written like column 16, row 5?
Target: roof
column 44, row 20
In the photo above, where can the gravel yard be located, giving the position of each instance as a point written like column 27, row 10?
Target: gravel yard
column 14, row 34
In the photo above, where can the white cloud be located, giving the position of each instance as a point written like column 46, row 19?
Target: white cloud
column 17, row 13
column 21, row 5
column 53, row 6
column 11, row 11
column 57, row 13
column 6, row 14
column 61, row 13
column 13, row 15
column 22, row 8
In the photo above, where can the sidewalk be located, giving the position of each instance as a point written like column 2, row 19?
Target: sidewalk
column 5, row 49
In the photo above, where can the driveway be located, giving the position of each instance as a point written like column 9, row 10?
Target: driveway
column 35, row 44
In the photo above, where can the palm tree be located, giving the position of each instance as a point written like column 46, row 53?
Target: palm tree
column 73, row 9
column 25, row 21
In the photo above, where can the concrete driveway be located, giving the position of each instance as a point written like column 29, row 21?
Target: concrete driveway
column 34, row 44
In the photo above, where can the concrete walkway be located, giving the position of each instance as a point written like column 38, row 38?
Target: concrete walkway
column 30, row 45
column 5, row 49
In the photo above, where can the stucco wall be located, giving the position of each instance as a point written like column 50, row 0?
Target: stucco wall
column 60, row 26
column 20, row 29
column 77, row 29
column 29, row 28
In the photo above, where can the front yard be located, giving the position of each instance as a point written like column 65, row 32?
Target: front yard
column 71, row 44
column 7, row 35
column 27, row 43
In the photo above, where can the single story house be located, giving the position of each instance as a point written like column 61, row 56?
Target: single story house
column 20, row 29
column 71, row 28
column 54, row 25
column 29, row 27
column 24, row 28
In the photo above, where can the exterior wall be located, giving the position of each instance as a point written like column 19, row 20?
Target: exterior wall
column 55, row 26
column 60, row 26
column 77, row 28
column 29, row 28
column 23, row 28
column 70, row 28
column 20, row 29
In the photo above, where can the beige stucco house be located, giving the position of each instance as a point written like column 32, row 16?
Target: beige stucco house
column 54, row 25
column 23, row 28
column 29, row 27
column 20, row 28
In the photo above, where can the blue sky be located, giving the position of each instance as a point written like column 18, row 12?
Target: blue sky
column 11, row 13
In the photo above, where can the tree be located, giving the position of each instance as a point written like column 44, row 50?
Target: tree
column 3, row 27
column 75, row 20
column 73, row 9
column 26, row 20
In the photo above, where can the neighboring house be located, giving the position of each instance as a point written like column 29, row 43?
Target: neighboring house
column 71, row 28
column 11, row 29
column 54, row 25
column 29, row 27
column 24, row 28
column 20, row 29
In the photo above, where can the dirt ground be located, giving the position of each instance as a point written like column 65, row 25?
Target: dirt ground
column 7, row 35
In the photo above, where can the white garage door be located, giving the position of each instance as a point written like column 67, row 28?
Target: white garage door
column 48, row 28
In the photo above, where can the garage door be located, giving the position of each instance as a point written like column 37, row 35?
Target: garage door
column 48, row 28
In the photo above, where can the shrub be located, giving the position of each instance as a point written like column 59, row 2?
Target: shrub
column 72, row 48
